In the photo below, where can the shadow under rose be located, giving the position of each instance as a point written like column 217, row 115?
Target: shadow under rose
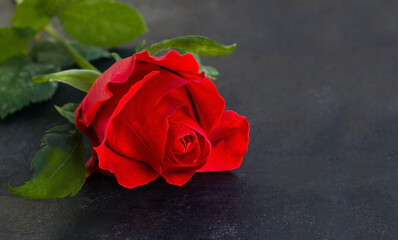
column 209, row 206
column 218, row 205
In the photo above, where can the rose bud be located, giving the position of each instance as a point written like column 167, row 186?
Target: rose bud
column 158, row 116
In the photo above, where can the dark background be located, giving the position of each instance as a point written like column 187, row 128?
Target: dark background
column 318, row 83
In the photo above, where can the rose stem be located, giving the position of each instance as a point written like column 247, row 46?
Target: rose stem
column 83, row 63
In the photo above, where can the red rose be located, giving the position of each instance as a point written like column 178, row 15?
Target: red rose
column 158, row 116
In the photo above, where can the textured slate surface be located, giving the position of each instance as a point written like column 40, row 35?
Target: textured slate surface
column 317, row 80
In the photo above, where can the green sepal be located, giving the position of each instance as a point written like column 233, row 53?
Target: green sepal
column 210, row 71
column 59, row 168
column 81, row 79
column 140, row 46
column 192, row 43
column 116, row 56
column 67, row 111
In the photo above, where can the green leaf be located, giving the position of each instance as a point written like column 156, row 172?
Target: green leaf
column 30, row 13
column 67, row 111
column 192, row 43
column 54, row 7
column 16, row 87
column 102, row 22
column 36, row 14
column 14, row 42
column 50, row 51
column 59, row 168
column 81, row 79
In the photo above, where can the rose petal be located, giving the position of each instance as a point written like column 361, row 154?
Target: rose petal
column 173, row 61
column 175, row 171
column 182, row 117
column 229, row 140
column 176, row 97
column 126, row 116
column 99, row 92
column 118, row 90
column 183, row 155
column 175, row 174
column 209, row 104
column 176, row 133
column 128, row 172
column 137, row 128
column 120, row 71
column 92, row 164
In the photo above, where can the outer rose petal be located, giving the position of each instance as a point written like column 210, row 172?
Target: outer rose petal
column 173, row 61
column 118, row 90
column 120, row 72
column 229, row 140
column 128, row 172
column 177, row 175
column 99, row 92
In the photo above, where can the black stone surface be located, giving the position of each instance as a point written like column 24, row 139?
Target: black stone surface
column 318, row 82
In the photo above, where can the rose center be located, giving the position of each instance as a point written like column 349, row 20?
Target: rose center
column 185, row 143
